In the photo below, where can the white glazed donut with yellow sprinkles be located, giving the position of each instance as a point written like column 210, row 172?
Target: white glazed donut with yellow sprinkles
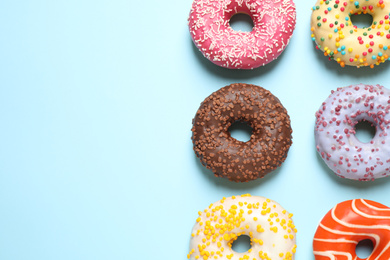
column 269, row 226
column 342, row 41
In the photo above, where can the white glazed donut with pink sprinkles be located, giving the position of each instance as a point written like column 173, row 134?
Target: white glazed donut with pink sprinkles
column 274, row 23
column 335, row 132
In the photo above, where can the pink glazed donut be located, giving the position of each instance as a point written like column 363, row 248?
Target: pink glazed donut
column 335, row 132
column 274, row 23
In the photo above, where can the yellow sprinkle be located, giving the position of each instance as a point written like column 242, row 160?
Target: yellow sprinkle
column 275, row 229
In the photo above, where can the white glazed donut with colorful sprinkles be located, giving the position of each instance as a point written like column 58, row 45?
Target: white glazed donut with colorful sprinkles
column 342, row 41
column 335, row 132
column 274, row 23
column 269, row 226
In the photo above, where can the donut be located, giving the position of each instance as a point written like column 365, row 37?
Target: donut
column 269, row 226
column 335, row 132
column 274, row 23
column 348, row 223
column 226, row 156
column 340, row 40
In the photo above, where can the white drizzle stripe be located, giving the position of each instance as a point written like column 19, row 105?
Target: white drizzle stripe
column 338, row 232
column 332, row 254
column 384, row 250
column 357, row 226
column 357, row 211
column 336, row 240
column 373, row 207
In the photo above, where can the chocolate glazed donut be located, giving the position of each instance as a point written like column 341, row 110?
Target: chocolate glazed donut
column 232, row 159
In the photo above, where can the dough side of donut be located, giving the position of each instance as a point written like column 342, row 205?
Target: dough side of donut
column 274, row 23
column 335, row 35
column 269, row 226
column 335, row 132
column 350, row 222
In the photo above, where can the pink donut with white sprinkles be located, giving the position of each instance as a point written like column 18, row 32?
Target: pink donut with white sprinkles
column 274, row 23
column 335, row 132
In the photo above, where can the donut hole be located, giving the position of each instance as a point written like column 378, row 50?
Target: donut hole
column 364, row 248
column 241, row 22
column 242, row 244
column 365, row 131
column 240, row 131
column 361, row 20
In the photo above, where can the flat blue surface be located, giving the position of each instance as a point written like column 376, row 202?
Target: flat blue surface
column 96, row 103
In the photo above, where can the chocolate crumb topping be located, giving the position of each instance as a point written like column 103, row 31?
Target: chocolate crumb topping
column 226, row 156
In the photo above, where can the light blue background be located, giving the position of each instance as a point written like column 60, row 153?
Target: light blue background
column 96, row 103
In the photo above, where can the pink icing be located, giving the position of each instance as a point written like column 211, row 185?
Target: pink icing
column 335, row 132
column 274, row 23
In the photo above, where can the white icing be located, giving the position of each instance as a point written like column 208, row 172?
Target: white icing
column 275, row 243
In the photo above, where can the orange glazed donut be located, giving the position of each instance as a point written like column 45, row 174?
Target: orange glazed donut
column 348, row 223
